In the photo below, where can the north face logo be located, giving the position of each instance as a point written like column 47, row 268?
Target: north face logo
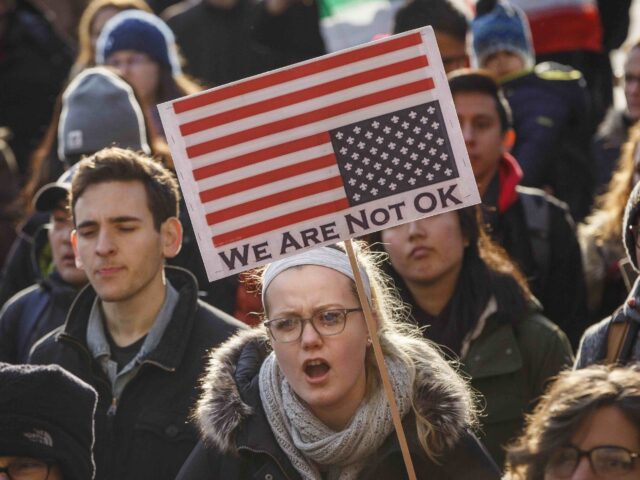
column 40, row 436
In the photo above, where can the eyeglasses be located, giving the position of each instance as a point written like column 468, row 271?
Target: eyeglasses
column 635, row 229
column 326, row 323
column 27, row 469
column 607, row 461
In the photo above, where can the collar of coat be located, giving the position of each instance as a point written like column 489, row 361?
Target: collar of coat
column 225, row 405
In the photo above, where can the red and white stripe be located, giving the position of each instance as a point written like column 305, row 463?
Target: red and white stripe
column 260, row 149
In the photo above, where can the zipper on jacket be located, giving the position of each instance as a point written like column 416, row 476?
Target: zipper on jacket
column 268, row 455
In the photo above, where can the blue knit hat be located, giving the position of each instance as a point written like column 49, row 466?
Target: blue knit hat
column 505, row 28
column 142, row 32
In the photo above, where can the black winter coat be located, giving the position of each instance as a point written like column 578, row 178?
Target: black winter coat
column 239, row 444
column 147, row 434
column 32, row 313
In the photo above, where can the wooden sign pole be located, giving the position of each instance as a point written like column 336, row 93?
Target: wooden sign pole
column 384, row 374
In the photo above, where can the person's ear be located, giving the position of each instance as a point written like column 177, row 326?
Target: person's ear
column 508, row 140
column 74, row 245
column 171, row 237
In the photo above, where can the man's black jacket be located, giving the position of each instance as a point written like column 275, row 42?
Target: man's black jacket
column 147, row 433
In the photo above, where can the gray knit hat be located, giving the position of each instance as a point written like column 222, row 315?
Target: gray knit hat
column 631, row 212
column 99, row 109
column 47, row 413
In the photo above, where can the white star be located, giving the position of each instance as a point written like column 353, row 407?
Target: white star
column 374, row 191
column 410, row 141
column 356, row 196
column 435, row 125
column 356, row 130
column 405, row 125
column 395, row 160
column 368, row 135
column 394, row 119
column 436, row 167
column 408, row 166
column 430, row 176
column 377, row 165
column 400, row 176
column 388, row 171
column 422, row 146
column 412, row 114
column 424, row 120
column 392, row 186
column 375, row 124
column 417, row 130
column 373, row 150
column 392, row 146
column 404, row 150
column 432, row 151
column 425, row 162
column 379, row 140
column 430, row 110
column 350, row 140
column 348, row 166
column 361, row 145
column 428, row 135
column 382, row 181
column 413, row 156
column 366, row 160
column 412, row 181
column 440, row 141
column 363, row 187
column 352, row 181
column 355, row 155
column 339, row 135
column 343, row 150
column 399, row 134
column 359, row 171
column 418, row 171
column 387, row 130
column 448, row 172
column 384, row 155
column 444, row 157
column 369, row 176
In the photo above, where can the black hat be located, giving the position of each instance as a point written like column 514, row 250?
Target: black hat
column 49, row 196
column 47, row 413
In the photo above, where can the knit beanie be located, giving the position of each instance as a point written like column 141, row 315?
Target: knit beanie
column 47, row 413
column 505, row 28
column 99, row 109
column 631, row 212
column 142, row 32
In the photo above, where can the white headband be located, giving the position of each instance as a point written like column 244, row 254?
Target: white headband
column 321, row 256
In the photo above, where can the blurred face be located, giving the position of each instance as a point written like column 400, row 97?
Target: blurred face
column 482, row 132
column 140, row 70
column 503, row 63
column 64, row 260
column 427, row 251
column 607, row 426
column 117, row 245
column 632, row 83
column 327, row 373
column 101, row 17
column 28, row 468
column 453, row 52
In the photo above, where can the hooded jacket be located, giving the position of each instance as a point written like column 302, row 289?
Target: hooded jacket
column 145, row 433
column 550, row 258
column 237, row 441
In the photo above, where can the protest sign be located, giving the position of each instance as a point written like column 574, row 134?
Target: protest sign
column 318, row 152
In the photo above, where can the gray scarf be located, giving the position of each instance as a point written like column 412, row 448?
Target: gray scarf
column 311, row 446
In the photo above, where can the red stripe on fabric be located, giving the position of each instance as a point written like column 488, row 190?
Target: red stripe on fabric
column 295, row 72
column 267, row 177
column 298, row 96
column 273, row 200
column 324, row 113
column 279, row 222
column 261, row 155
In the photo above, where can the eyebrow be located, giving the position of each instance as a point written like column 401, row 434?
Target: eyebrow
column 120, row 219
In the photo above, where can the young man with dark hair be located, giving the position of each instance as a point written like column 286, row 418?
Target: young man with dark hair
column 534, row 227
column 138, row 333
column 450, row 24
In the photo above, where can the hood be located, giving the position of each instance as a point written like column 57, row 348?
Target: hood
column 233, row 370
column 509, row 176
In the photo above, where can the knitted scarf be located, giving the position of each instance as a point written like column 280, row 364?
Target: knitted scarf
column 311, row 446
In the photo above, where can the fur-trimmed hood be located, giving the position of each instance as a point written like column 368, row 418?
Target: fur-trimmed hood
column 440, row 395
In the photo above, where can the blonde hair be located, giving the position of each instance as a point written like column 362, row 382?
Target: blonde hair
column 606, row 217
column 571, row 400
column 401, row 338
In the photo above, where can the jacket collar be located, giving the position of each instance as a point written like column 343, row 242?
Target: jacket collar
column 229, row 408
column 168, row 354
column 509, row 176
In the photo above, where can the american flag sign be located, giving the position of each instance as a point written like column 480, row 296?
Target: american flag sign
column 325, row 150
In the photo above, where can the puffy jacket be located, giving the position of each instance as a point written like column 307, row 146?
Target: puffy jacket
column 32, row 313
column 238, row 442
column 147, row 433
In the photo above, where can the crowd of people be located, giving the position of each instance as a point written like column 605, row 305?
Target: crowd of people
column 510, row 330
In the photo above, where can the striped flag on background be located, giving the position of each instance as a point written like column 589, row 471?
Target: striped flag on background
column 260, row 149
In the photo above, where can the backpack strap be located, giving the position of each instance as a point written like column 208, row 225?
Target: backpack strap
column 537, row 217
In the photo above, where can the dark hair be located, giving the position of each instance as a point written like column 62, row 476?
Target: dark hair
column 568, row 403
column 471, row 80
column 121, row 165
column 443, row 15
